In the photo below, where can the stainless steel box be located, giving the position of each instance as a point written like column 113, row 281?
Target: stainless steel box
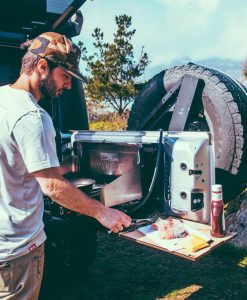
column 188, row 168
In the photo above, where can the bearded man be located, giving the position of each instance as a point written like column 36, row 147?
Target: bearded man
column 29, row 165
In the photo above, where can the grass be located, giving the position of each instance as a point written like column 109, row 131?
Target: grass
column 127, row 271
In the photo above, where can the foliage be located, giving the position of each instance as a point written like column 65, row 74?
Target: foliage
column 109, row 122
column 112, row 69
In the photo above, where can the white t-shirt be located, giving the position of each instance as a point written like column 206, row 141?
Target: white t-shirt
column 27, row 144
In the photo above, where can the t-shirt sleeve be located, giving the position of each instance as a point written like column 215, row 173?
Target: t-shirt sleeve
column 34, row 135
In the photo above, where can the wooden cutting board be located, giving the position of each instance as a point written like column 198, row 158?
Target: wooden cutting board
column 138, row 237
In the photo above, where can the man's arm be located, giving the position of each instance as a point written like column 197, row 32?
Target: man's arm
column 63, row 192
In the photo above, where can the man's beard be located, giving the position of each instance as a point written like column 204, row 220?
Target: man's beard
column 48, row 86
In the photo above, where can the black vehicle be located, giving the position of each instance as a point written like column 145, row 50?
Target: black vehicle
column 71, row 241
column 221, row 110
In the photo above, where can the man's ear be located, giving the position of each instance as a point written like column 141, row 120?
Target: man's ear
column 42, row 66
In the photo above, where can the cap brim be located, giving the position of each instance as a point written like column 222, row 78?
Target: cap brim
column 74, row 73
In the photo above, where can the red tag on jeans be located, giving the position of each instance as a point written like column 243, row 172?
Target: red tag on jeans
column 32, row 247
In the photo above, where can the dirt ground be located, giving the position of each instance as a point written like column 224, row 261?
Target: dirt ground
column 126, row 271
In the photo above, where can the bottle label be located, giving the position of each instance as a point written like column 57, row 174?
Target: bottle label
column 216, row 212
column 217, row 219
column 217, row 196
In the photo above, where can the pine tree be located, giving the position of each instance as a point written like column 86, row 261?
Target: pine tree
column 112, row 69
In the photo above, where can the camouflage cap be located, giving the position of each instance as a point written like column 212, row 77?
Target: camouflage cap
column 60, row 50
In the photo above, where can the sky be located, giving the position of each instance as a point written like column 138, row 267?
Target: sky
column 174, row 29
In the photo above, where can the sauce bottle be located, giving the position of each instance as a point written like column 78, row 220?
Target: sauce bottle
column 217, row 212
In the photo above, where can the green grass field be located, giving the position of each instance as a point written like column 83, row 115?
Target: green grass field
column 126, row 271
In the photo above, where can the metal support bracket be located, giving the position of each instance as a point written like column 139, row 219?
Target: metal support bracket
column 182, row 95
column 190, row 90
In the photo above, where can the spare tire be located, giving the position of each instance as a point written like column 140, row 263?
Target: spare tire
column 223, row 113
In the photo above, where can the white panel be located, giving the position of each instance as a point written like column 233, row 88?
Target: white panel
column 188, row 157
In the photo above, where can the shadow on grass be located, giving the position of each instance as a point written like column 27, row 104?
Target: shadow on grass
column 126, row 271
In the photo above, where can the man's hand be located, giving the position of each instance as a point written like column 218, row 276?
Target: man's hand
column 113, row 219
column 63, row 192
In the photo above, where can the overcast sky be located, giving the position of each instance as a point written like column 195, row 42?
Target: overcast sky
column 172, row 29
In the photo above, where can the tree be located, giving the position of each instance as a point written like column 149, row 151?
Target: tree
column 112, row 69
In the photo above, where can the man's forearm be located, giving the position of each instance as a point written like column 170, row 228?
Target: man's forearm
column 66, row 194
column 63, row 192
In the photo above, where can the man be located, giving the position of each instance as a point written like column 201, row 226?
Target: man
column 29, row 166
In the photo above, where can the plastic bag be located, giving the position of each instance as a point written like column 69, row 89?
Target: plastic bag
column 170, row 228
